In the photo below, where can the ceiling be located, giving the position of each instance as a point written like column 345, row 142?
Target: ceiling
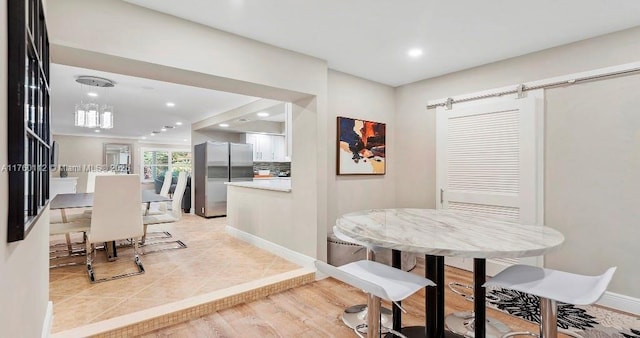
column 366, row 38
column 139, row 105
column 273, row 123
column 370, row 38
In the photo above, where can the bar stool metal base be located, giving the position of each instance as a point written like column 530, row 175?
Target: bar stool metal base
column 532, row 334
column 419, row 332
column 355, row 315
column 463, row 323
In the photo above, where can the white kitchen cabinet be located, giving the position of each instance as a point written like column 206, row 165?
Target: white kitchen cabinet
column 279, row 148
column 62, row 185
column 252, row 139
column 261, row 147
column 267, row 148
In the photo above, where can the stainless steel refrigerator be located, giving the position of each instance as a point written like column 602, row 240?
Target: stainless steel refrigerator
column 214, row 164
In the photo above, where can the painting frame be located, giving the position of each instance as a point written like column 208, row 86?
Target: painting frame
column 360, row 148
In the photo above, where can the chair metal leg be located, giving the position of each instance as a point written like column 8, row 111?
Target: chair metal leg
column 356, row 315
column 548, row 318
column 136, row 256
column 373, row 316
column 136, row 260
column 373, row 307
column 548, row 322
column 144, row 235
column 67, row 236
column 89, row 252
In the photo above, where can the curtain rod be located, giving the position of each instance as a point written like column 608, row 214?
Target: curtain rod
column 523, row 87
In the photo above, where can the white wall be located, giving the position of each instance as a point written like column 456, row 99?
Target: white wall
column 144, row 41
column 135, row 42
column 87, row 152
column 570, row 206
column 24, row 265
column 198, row 137
column 350, row 96
column 236, row 113
column 593, row 178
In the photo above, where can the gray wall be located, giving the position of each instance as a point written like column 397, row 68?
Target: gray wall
column 350, row 96
column 591, row 149
column 592, row 175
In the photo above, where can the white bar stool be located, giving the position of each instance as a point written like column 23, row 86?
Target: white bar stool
column 356, row 315
column 379, row 281
column 552, row 286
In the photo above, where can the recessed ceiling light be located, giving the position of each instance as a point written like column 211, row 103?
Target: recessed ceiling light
column 414, row 52
column 263, row 114
column 153, row 134
column 163, row 129
column 92, row 94
column 171, row 104
column 223, row 125
column 97, row 130
column 178, row 123
column 144, row 137
column 185, row 140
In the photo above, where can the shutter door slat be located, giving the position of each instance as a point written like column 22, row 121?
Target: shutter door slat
column 483, row 153
column 511, row 214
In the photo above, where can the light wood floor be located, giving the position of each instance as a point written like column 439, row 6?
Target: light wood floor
column 314, row 310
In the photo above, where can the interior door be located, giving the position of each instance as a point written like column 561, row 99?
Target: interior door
column 489, row 161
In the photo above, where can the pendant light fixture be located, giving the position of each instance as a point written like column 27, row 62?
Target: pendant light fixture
column 91, row 114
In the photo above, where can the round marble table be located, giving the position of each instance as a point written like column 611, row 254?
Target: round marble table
column 440, row 233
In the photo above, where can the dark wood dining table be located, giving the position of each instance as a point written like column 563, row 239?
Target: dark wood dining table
column 85, row 200
column 447, row 233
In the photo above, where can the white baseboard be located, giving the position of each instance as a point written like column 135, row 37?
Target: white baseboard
column 276, row 249
column 620, row 302
column 48, row 321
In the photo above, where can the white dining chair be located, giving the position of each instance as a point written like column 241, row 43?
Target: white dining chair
column 91, row 179
column 379, row 281
column 158, row 208
column 116, row 216
column 170, row 216
column 61, row 223
column 166, row 184
column 551, row 286
column 74, row 225
column 356, row 315
column 55, row 216
column 91, row 184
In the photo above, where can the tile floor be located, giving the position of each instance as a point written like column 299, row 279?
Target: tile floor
column 212, row 261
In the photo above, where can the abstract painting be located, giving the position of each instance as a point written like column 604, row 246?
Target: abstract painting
column 361, row 147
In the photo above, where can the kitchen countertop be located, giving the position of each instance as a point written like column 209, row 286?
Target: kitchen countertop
column 276, row 184
column 271, row 178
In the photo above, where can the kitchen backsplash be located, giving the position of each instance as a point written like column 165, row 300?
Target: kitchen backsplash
column 274, row 167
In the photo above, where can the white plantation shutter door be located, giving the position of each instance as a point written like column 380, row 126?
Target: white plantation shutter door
column 489, row 161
